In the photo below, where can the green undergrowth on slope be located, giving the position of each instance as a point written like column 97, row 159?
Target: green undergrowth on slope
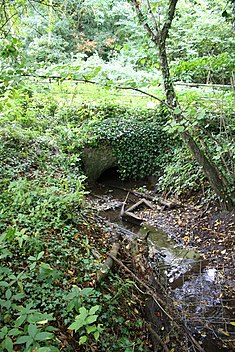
column 48, row 236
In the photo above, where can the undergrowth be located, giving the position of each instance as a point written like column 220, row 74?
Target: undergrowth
column 48, row 236
column 49, row 301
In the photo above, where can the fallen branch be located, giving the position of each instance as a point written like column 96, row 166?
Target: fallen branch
column 158, row 338
column 128, row 215
column 150, row 291
column 140, row 202
column 135, row 193
column 132, row 218
column 167, row 204
column 103, row 272
column 119, row 228
column 162, row 202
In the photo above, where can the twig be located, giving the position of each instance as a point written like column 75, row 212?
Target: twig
column 123, row 204
column 206, row 85
column 159, row 302
column 157, row 299
column 195, row 343
column 152, row 17
column 158, row 338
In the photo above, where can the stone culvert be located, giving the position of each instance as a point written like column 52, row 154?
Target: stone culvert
column 96, row 161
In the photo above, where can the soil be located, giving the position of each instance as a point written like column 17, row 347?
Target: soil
column 211, row 231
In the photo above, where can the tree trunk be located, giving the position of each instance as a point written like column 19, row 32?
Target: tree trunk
column 158, row 34
column 211, row 171
column 168, row 85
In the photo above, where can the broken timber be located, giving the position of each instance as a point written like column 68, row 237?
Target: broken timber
column 162, row 202
column 103, row 272
column 128, row 214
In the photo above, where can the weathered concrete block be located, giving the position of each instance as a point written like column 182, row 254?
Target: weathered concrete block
column 97, row 160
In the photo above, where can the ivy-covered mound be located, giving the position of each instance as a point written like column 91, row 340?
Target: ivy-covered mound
column 139, row 143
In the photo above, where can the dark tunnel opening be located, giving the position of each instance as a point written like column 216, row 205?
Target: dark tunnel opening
column 111, row 173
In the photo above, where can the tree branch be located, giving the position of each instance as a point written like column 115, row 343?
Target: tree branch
column 107, row 85
column 146, row 93
column 143, row 20
column 152, row 17
column 169, row 19
column 7, row 20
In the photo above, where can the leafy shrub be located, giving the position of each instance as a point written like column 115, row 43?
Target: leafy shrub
column 181, row 175
column 217, row 69
column 41, row 203
column 45, row 238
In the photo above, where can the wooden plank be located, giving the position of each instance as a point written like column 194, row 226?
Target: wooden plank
column 140, row 202
column 132, row 218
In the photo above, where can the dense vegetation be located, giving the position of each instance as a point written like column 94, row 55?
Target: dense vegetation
column 49, row 113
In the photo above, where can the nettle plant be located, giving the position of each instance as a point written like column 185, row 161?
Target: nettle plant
column 24, row 325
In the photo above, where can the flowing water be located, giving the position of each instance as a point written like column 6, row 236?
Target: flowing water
column 194, row 286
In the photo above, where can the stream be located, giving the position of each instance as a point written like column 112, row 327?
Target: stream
column 193, row 284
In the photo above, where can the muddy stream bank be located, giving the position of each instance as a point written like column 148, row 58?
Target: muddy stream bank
column 193, row 281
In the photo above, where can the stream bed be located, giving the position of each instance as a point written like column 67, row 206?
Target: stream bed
column 191, row 282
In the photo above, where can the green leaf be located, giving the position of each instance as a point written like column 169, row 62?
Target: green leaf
column 18, row 296
column 40, row 255
column 91, row 319
column 14, row 332
column 20, row 320
column 42, row 336
column 90, row 328
column 82, row 340
column 3, row 332
column 23, row 339
column 83, row 313
column 94, row 309
column 8, row 344
column 76, row 325
column 32, row 330
column 38, row 317
column 31, row 258
column 181, row 128
column 32, row 266
column 20, row 287
column 3, row 236
column 4, row 284
column 201, row 114
column 177, row 111
column 86, row 291
column 96, row 335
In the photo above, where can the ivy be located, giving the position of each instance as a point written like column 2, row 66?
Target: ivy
column 138, row 139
